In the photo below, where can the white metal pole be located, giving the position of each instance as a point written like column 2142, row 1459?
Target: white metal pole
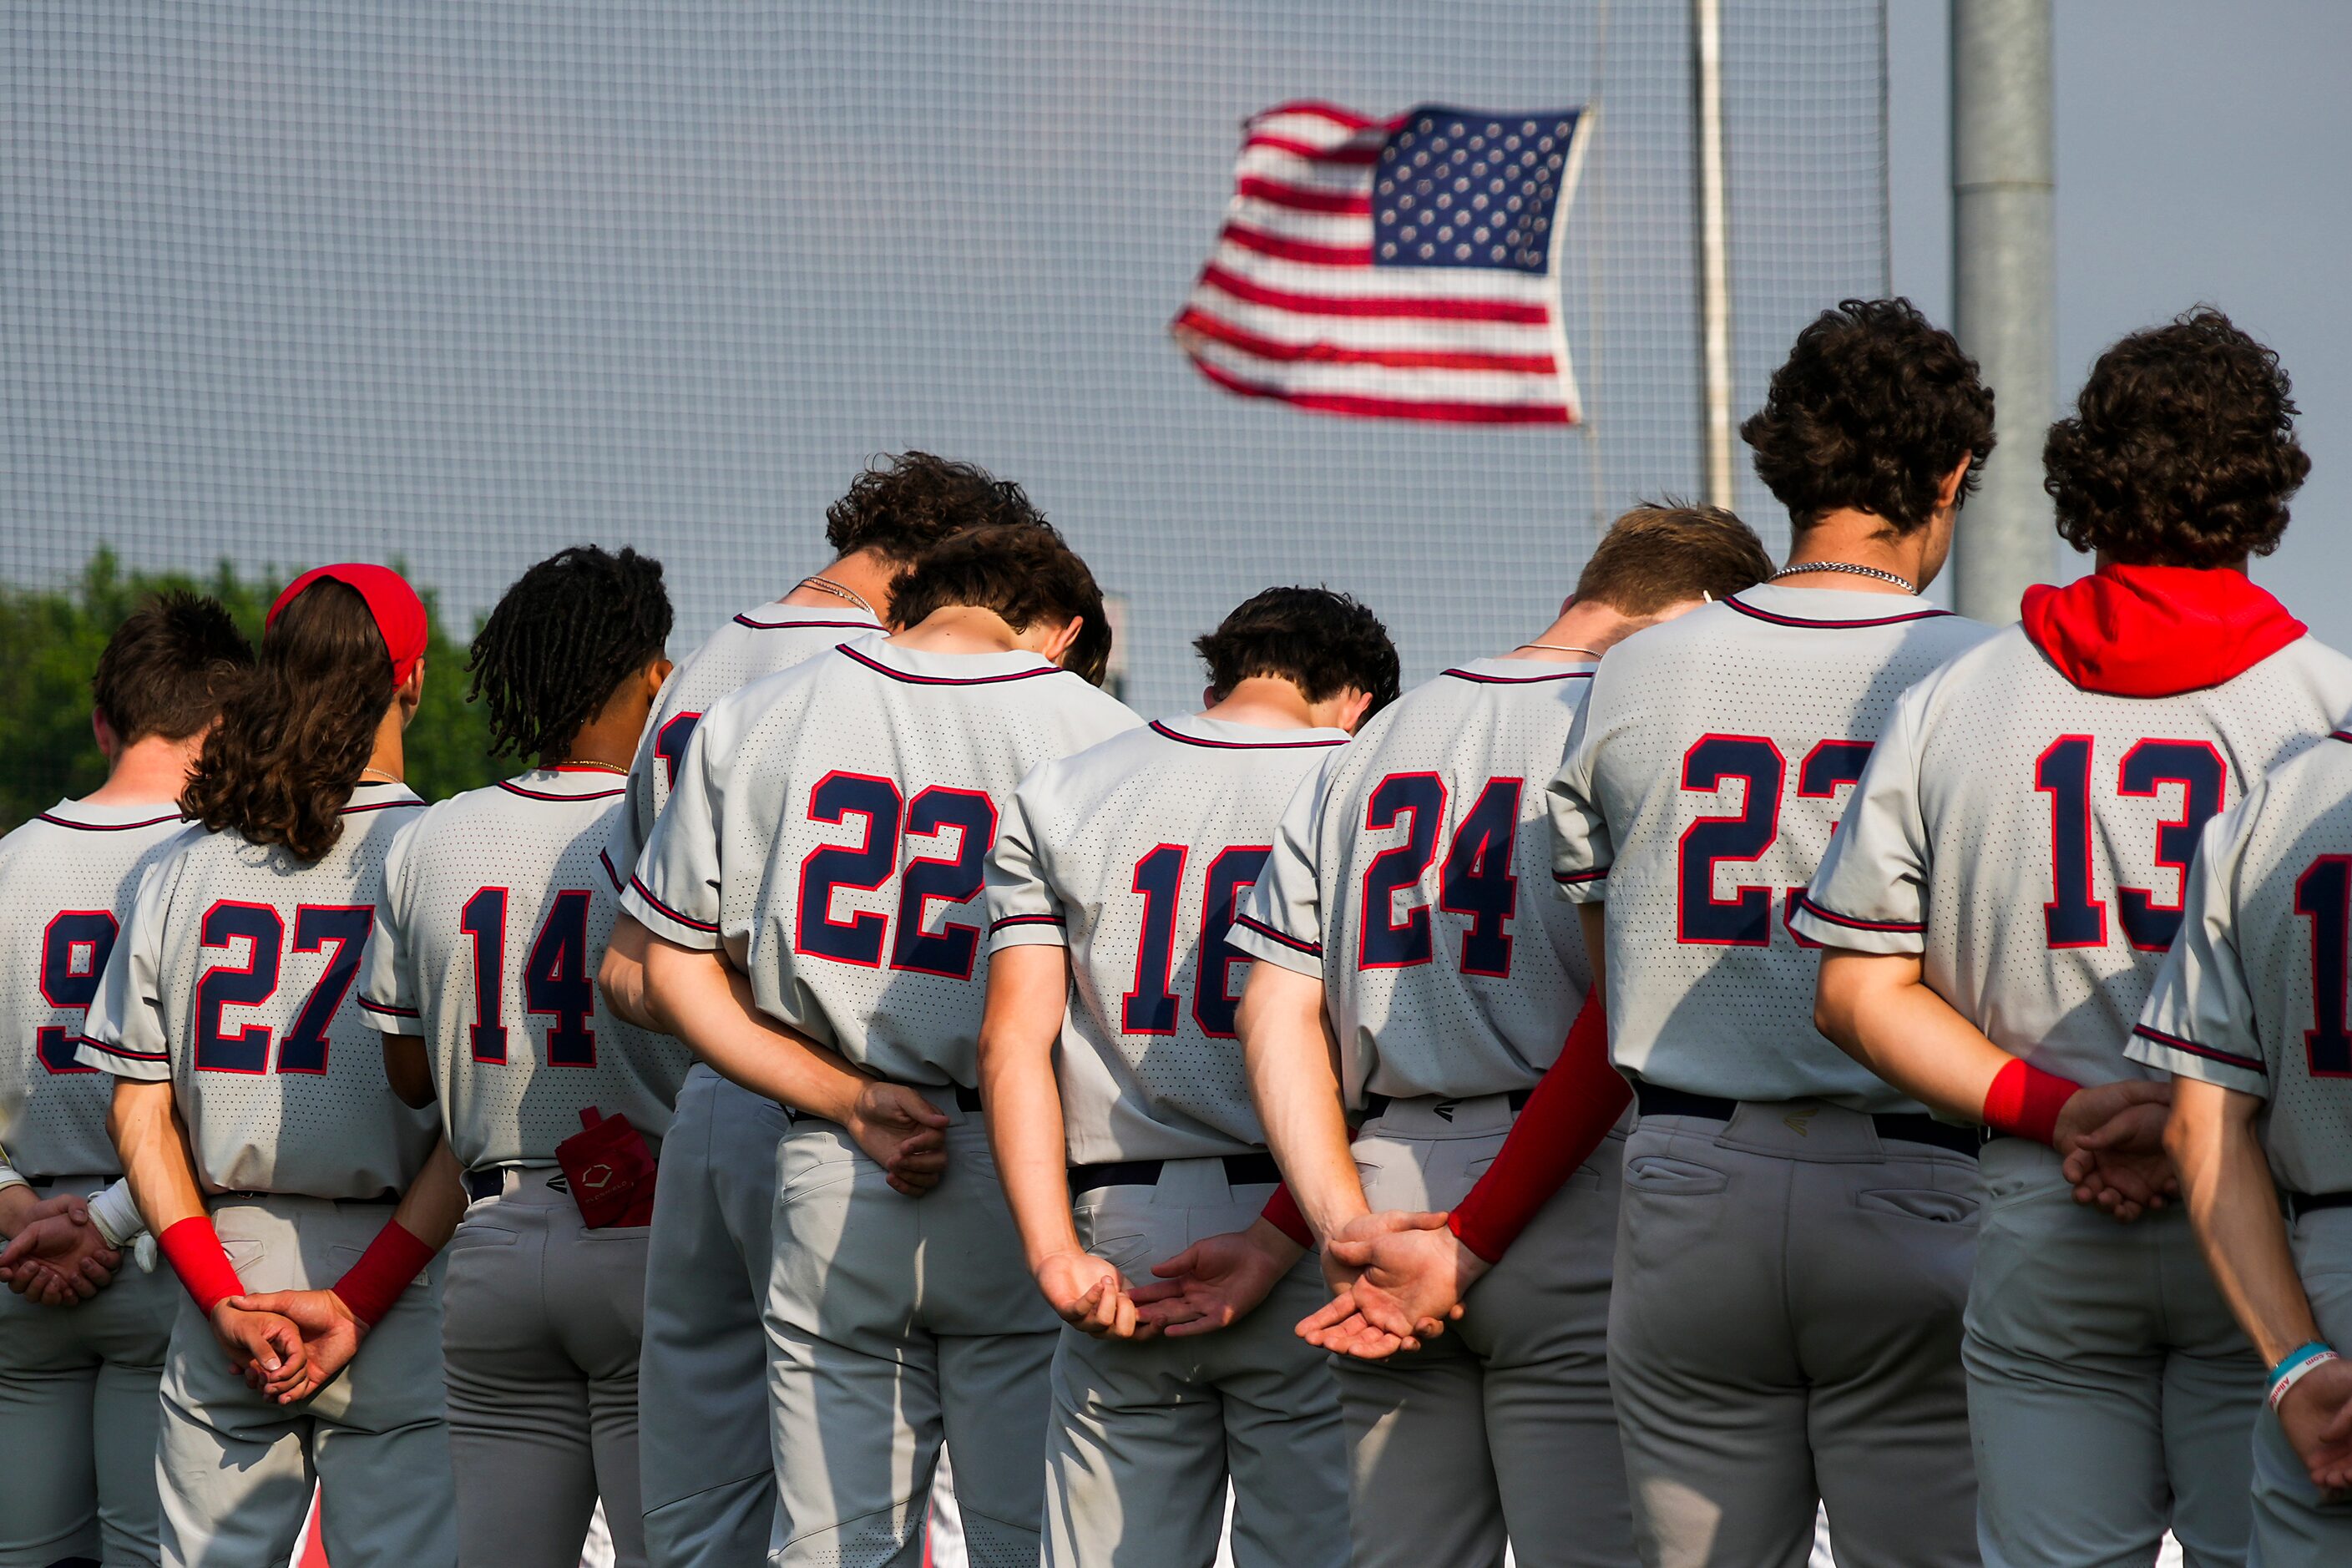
column 1714, row 273
column 2004, row 289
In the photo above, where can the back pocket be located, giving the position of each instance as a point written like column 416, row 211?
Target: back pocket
column 1920, row 1204
column 1663, row 1177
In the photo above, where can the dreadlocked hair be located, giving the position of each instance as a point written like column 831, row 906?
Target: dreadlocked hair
column 562, row 641
column 294, row 737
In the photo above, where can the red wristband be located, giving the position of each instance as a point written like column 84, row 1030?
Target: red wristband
column 194, row 1250
column 371, row 1286
column 2024, row 1101
column 1281, row 1212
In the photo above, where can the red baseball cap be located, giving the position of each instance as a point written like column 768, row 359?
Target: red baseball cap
column 399, row 614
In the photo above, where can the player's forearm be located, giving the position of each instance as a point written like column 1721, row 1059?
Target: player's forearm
column 709, row 1006
column 1593, row 919
column 1878, row 1009
column 2233, row 1207
column 147, row 1133
column 17, row 1206
column 1027, row 992
column 621, row 977
column 408, row 1068
column 1294, row 1074
column 436, row 1200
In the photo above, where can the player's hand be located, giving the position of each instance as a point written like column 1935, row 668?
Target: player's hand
column 1410, row 1285
column 1090, row 1296
column 1215, row 1282
column 2316, row 1414
column 2111, row 1136
column 905, row 1134
column 58, row 1258
column 264, row 1348
column 329, row 1335
column 1340, row 1326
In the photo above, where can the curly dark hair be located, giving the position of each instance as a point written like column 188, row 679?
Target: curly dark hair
column 1873, row 408
column 2181, row 448
column 168, row 666
column 292, row 741
column 1025, row 572
column 562, row 640
column 901, row 506
column 1321, row 642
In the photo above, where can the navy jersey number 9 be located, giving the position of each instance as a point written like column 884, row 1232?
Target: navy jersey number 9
column 74, row 950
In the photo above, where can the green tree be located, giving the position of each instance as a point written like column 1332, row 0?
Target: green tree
column 50, row 644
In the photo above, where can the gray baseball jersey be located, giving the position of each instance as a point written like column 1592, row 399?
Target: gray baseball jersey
column 233, row 981
column 829, row 829
column 1699, row 791
column 1136, row 854
column 495, row 911
column 2253, row 996
column 2002, row 790
column 1397, row 880
column 755, row 643
column 67, row 880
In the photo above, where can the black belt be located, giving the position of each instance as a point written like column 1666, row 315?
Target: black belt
column 247, row 1196
column 1907, row 1126
column 491, row 1180
column 1241, row 1171
column 1378, row 1104
column 2298, row 1204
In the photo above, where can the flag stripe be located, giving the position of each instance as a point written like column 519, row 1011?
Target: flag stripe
column 1370, row 407
column 1502, row 388
column 1393, row 305
column 1198, row 320
column 1316, row 109
column 1304, row 199
column 1346, row 153
column 1298, row 249
column 1374, row 331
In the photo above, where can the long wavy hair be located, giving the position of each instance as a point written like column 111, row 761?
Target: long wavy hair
column 292, row 742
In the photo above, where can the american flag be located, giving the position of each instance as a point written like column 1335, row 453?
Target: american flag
column 1402, row 269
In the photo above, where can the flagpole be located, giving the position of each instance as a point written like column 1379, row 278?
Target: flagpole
column 1714, row 273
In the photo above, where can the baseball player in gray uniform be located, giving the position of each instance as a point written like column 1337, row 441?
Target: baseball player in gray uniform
column 1796, row 1236
column 1405, row 978
column 2007, row 881
column 78, row 1375
column 2248, row 1014
column 496, row 910
column 252, row 1115
column 1110, row 1068
column 811, row 893
column 707, row 1474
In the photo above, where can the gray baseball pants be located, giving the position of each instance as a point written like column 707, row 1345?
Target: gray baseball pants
column 2110, row 1391
column 895, row 1324
column 1786, row 1328
column 235, row 1470
column 540, row 1319
column 2295, row 1525
column 1503, row 1427
column 705, row 1466
column 1145, row 1434
column 77, row 1411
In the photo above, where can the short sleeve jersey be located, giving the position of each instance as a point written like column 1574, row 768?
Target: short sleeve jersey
column 2253, row 996
column 67, row 880
column 2030, row 839
column 830, row 828
column 1135, row 854
column 235, row 981
column 1700, row 789
column 752, row 645
column 1407, row 875
column 495, row 912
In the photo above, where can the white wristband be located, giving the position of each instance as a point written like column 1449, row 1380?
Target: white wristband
column 117, row 1216
column 9, row 1178
column 2297, row 1373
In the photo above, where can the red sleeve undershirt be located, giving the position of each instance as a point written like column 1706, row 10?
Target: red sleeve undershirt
column 1579, row 1100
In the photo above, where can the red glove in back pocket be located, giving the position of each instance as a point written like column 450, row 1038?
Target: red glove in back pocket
column 609, row 1170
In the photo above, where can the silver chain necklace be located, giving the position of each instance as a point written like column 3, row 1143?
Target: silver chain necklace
column 1903, row 583
column 827, row 585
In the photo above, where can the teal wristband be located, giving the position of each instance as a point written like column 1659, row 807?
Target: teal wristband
column 2308, row 1351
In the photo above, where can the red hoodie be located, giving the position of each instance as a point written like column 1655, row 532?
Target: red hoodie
column 2155, row 631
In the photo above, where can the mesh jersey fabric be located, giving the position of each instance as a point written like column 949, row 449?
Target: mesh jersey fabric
column 67, row 880
column 1698, row 794
column 829, row 829
column 2031, row 840
column 1135, row 854
column 233, row 980
column 1406, row 876
column 2253, row 996
column 510, row 883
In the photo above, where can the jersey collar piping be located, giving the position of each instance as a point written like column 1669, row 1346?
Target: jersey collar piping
column 883, row 660
column 1491, row 677
column 1189, row 736
column 1778, row 618
column 566, row 785
column 89, row 818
